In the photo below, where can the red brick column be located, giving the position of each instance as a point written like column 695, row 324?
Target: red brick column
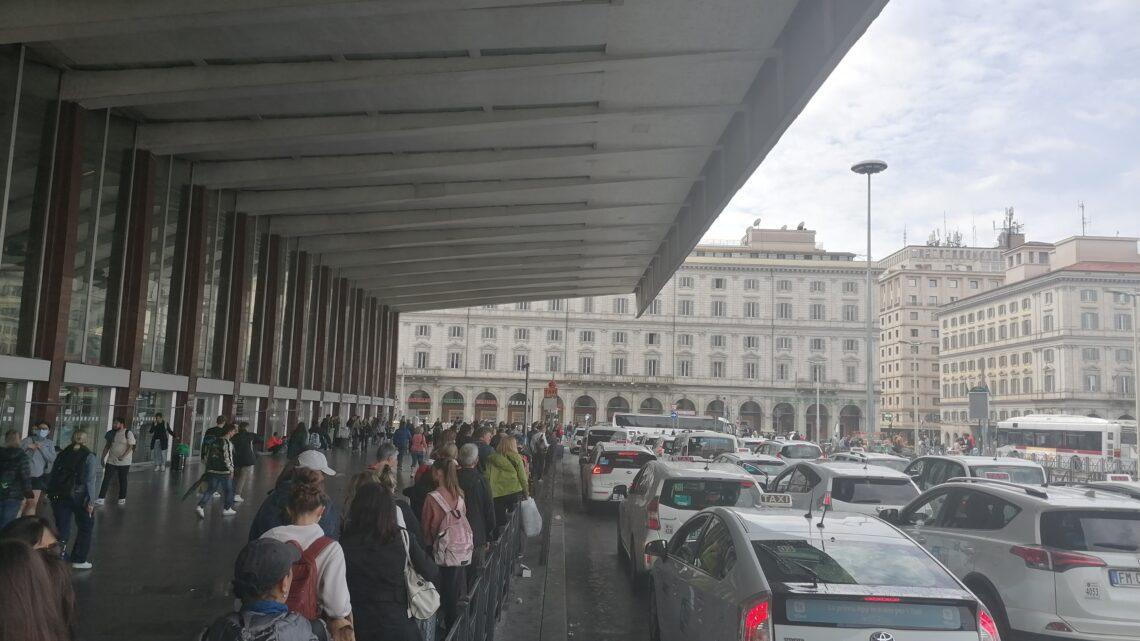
column 192, row 274
column 130, row 317
column 239, row 275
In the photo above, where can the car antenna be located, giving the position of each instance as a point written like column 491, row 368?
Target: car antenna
column 811, row 502
column 822, row 516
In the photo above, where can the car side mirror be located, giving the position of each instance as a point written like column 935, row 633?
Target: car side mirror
column 890, row 515
column 656, row 548
column 621, row 490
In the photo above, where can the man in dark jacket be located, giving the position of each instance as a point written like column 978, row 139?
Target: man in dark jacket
column 402, row 439
column 244, row 459
column 298, row 441
column 483, row 437
column 480, row 508
column 272, row 511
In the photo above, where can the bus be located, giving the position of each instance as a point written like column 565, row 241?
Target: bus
column 657, row 425
column 1078, row 440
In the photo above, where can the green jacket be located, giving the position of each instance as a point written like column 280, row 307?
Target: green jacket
column 507, row 474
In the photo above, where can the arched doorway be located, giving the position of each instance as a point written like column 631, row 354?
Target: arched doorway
column 783, row 418
column 715, row 408
column 751, row 416
column 686, row 407
column 850, row 420
column 585, row 410
column 516, row 409
column 617, row 405
column 558, row 414
column 486, row 407
column 824, row 431
column 419, row 403
column 452, row 406
column 650, row 406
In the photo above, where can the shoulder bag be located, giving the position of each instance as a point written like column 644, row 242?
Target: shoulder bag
column 423, row 598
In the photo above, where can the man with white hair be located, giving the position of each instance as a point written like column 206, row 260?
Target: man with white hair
column 480, row 508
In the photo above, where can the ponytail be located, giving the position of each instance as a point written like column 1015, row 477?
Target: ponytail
column 307, row 492
column 388, row 478
column 449, row 475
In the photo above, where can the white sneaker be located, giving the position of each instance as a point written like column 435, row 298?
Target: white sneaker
column 201, row 512
column 99, row 502
column 122, row 501
column 229, row 511
column 217, row 495
column 238, row 498
column 86, row 565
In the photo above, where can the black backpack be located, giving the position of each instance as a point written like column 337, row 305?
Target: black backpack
column 67, row 473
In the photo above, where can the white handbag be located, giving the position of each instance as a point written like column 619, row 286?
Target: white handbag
column 423, row 598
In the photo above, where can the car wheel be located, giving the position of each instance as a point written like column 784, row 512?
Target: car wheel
column 997, row 609
column 654, row 624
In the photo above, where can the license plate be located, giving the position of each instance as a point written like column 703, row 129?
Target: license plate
column 617, row 497
column 1124, row 578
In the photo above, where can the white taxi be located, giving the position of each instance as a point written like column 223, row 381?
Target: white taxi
column 610, row 465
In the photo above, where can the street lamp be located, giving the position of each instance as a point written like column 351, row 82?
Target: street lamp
column 526, row 393
column 1135, row 296
column 868, row 167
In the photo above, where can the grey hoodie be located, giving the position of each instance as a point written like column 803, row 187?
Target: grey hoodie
column 42, row 458
column 286, row 626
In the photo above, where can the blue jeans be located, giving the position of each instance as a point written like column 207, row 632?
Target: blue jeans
column 10, row 510
column 64, row 511
column 218, row 483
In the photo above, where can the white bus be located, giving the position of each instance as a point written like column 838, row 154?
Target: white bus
column 1062, row 437
column 658, row 425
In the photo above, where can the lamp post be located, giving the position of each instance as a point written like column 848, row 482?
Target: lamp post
column 526, row 393
column 1135, row 296
column 867, row 168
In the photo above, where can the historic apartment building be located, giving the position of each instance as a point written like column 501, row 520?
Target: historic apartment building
column 915, row 281
column 1053, row 339
column 748, row 331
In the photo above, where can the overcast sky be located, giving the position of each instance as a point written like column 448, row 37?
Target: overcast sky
column 976, row 106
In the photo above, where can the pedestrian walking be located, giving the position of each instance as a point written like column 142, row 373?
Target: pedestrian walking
column 41, row 454
column 449, row 536
column 160, row 434
column 15, row 478
column 274, row 508
column 539, row 446
column 71, row 490
column 244, row 459
column 480, row 509
column 402, row 439
column 418, row 447
column 506, row 473
column 118, row 453
column 298, row 441
column 219, row 475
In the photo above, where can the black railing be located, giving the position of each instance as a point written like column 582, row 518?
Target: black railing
column 489, row 592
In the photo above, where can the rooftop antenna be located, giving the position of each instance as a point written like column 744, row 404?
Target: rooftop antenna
column 1085, row 220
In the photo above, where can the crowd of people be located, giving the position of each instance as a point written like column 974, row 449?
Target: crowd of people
column 316, row 567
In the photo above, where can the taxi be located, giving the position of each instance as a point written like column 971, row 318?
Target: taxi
column 611, row 465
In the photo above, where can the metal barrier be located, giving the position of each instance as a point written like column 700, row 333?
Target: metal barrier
column 489, row 593
column 1069, row 468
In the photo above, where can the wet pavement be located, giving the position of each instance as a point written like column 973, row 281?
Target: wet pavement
column 601, row 604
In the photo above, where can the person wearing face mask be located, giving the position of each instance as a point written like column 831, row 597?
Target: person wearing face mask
column 41, row 454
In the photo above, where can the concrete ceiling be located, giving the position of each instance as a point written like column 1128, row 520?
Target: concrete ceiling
column 445, row 153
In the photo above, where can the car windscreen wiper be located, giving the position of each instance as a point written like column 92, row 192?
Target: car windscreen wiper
column 789, row 562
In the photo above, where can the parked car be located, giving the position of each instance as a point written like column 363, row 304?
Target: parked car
column 929, row 471
column 846, row 487
column 703, row 445
column 611, row 465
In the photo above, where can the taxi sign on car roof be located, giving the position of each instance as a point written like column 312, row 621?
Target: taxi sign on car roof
column 776, row 500
column 1118, row 477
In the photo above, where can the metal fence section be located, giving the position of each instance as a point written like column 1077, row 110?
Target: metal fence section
column 1069, row 468
column 489, row 593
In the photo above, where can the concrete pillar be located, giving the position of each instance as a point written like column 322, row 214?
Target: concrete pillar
column 191, row 274
column 237, row 276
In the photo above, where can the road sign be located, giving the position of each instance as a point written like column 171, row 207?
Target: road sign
column 979, row 403
column 551, row 390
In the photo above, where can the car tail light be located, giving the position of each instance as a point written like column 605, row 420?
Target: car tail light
column 652, row 516
column 1042, row 558
column 987, row 627
column 756, row 622
column 601, row 469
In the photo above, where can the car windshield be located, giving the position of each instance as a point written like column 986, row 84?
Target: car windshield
column 710, row 446
column 697, row 494
column 873, row 491
column 625, row 459
column 770, row 468
column 894, row 464
column 1091, row 530
column 597, row 436
column 1024, row 474
column 579, row 432
column 884, row 562
column 800, row 450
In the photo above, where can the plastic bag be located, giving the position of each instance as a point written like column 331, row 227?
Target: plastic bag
column 531, row 517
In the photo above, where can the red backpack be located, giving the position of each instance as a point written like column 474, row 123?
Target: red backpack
column 304, row 591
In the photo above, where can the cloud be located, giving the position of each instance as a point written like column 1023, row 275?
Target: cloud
column 976, row 106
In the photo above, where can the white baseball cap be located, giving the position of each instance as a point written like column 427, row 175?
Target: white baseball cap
column 314, row 460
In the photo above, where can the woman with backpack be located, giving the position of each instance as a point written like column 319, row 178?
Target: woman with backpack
column 319, row 588
column 15, row 478
column 377, row 547
column 449, row 535
column 418, row 447
column 72, row 493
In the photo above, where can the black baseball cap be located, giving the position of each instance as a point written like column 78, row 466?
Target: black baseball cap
column 261, row 564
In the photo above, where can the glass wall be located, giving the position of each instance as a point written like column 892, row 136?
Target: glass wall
column 249, row 350
column 213, row 323
column 154, row 263
column 148, row 404
column 83, row 407
column 171, row 199
column 94, row 135
column 282, row 322
column 12, row 406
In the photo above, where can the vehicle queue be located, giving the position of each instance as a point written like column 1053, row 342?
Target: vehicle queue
column 777, row 540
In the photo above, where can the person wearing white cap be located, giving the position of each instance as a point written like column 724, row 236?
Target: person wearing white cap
column 272, row 512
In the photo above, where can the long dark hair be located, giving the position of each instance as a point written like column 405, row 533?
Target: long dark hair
column 372, row 515
column 28, row 611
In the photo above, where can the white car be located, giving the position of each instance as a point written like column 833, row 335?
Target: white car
column 666, row 494
column 1048, row 562
column 703, row 445
column 872, row 458
column 929, row 471
column 792, row 450
column 663, row 445
column 611, row 465
column 763, row 467
column 845, row 487
column 733, row 574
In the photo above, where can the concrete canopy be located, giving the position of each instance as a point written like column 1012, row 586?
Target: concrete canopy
column 445, row 153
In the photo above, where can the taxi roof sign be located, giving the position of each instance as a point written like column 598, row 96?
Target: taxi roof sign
column 776, row 500
column 1118, row 477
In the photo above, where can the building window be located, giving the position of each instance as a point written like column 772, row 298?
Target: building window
column 685, row 340
column 751, row 284
column 1047, row 383
column 784, row 311
column 718, row 341
column 489, row 333
column 1090, row 354
column 1090, row 320
column 685, row 282
column 586, row 336
column 751, row 309
column 617, row 365
column 423, row 331
column 719, row 283
column 588, row 305
column 487, row 361
column 850, row 287
column 655, row 307
column 781, row 371
column 751, row 342
column 652, row 338
column 818, row 373
column 914, row 333
column 522, row 334
column 818, row 287
column 521, row 362
column 554, row 335
column 617, row 338
column 851, row 313
column 815, row 312
column 783, row 285
column 817, row 344
column 1123, row 356
column 524, row 306
column 621, row 305
column 1092, row 382
column 1047, row 323
column 652, row 367
column 553, row 363
column 933, row 282
column 586, row 364
column 973, row 284
column 1123, row 322
column 1124, row 385
column 684, row 367
column 556, row 305
column 1088, row 295
column 455, row 331
column 933, row 300
column 751, row 370
column 716, row 369
column 783, row 342
column 421, row 360
column 851, row 374
column 850, row 345
column 953, row 283
column 454, row 360
column 685, row 307
column 719, row 309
